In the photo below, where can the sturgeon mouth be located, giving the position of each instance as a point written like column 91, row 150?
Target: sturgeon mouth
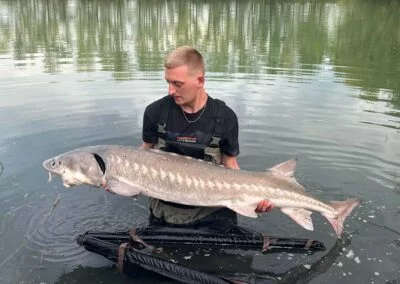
column 65, row 183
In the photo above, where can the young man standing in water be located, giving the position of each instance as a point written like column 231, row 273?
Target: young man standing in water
column 189, row 122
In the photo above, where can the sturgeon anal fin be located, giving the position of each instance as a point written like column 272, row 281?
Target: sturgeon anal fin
column 122, row 188
column 248, row 210
column 300, row 216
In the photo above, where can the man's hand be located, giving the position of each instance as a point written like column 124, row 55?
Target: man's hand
column 230, row 162
column 146, row 145
column 264, row 206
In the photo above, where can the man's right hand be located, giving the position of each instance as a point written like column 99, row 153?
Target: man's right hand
column 146, row 145
column 264, row 206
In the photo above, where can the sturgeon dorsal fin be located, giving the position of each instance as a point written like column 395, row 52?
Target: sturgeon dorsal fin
column 285, row 169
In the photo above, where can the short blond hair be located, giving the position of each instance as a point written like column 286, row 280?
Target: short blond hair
column 185, row 55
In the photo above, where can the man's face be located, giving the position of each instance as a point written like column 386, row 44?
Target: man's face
column 183, row 86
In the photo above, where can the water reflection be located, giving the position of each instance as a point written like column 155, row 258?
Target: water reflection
column 317, row 80
column 358, row 39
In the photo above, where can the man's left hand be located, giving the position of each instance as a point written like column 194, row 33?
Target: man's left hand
column 264, row 206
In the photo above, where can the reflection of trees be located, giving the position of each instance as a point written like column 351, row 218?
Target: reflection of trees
column 41, row 27
column 5, row 28
column 102, row 37
column 87, row 32
column 237, row 36
column 368, row 41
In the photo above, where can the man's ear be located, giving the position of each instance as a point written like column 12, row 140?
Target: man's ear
column 200, row 80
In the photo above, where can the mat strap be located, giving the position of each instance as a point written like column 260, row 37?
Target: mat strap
column 266, row 243
column 121, row 256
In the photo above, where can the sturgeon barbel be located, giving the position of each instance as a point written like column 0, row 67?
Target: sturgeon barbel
column 128, row 171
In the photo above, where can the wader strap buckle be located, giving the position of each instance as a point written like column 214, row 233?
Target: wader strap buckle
column 161, row 127
column 215, row 141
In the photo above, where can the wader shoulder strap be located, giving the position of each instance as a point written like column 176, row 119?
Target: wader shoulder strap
column 212, row 151
column 162, row 123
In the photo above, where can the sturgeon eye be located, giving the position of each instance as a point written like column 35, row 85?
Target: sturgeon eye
column 53, row 163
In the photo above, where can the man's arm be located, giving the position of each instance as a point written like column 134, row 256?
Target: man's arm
column 150, row 120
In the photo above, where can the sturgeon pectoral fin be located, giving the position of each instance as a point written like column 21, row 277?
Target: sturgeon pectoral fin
column 248, row 211
column 121, row 188
column 300, row 216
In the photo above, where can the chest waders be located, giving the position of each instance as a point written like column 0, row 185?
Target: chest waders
column 212, row 151
column 181, row 213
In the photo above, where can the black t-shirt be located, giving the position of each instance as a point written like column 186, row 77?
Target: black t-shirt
column 196, row 134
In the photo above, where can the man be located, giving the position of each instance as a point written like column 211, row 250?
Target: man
column 189, row 122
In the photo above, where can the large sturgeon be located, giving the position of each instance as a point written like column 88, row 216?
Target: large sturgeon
column 129, row 171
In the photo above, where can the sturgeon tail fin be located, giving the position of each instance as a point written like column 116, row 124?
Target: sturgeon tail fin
column 343, row 209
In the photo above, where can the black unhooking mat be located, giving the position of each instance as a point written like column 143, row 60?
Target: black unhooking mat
column 140, row 250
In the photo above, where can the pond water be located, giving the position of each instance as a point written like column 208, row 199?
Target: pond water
column 314, row 80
